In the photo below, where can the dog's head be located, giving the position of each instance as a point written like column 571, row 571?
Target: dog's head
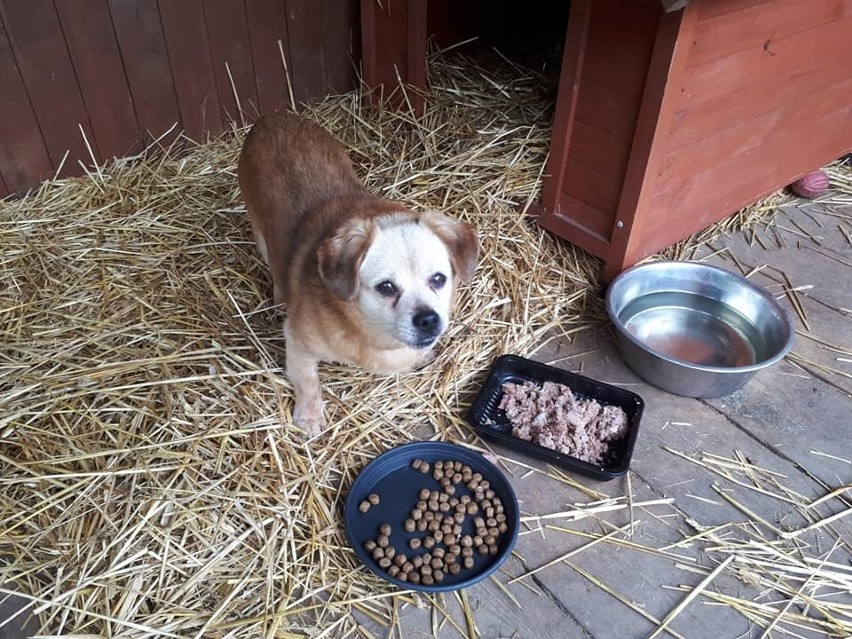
column 400, row 271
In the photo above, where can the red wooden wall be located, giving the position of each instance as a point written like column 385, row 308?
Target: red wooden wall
column 125, row 71
column 765, row 95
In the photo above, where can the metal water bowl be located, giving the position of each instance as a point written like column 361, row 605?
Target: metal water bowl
column 696, row 330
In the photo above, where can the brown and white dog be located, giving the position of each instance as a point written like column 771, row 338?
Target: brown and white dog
column 365, row 281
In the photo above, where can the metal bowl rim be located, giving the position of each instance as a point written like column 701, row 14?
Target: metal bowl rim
column 725, row 370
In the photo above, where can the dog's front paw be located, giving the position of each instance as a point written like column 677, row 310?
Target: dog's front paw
column 309, row 417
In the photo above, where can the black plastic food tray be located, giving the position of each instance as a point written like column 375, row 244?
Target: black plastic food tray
column 491, row 422
column 397, row 483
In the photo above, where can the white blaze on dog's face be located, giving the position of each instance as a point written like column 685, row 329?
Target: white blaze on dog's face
column 406, row 284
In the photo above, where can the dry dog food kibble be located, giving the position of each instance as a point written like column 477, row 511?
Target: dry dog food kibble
column 550, row 415
column 441, row 514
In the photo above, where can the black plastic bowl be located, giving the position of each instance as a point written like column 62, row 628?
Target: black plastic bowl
column 491, row 422
column 392, row 478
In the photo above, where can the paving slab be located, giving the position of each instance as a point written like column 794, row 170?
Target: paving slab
column 810, row 245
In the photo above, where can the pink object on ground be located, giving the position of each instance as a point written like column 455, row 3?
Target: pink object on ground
column 811, row 185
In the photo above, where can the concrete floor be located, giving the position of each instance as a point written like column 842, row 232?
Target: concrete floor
column 792, row 420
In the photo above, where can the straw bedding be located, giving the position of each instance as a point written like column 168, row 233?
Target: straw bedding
column 153, row 483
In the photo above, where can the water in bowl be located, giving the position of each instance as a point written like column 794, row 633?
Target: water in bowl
column 693, row 328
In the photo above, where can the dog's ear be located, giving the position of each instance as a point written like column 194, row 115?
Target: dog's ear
column 461, row 242
column 339, row 257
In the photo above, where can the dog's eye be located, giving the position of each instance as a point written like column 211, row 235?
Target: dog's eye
column 438, row 280
column 386, row 288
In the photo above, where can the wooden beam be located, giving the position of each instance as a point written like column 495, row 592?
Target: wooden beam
column 674, row 5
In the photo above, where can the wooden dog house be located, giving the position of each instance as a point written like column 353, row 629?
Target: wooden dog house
column 671, row 114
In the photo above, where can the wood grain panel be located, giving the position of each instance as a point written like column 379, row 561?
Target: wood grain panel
column 24, row 160
column 760, row 25
column 45, row 65
column 267, row 22
column 306, row 55
column 338, row 16
column 599, row 151
column 89, row 34
column 386, row 46
column 566, row 220
column 619, row 50
column 600, row 190
column 565, row 115
column 697, row 201
column 230, row 47
column 612, row 114
column 143, row 49
column 784, row 57
column 188, row 46
column 738, row 137
column 694, row 122
column 724, row 8
column 659, row 98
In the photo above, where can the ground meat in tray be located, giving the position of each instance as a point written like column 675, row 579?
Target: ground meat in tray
column 551, row 415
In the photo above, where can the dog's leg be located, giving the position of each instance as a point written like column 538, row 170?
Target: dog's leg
column 303, row 374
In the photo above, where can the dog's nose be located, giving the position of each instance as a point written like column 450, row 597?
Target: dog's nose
column 427, row 322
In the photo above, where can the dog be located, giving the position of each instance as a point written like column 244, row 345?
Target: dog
column 364, row 280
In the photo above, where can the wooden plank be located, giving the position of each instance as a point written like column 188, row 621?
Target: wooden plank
column 562, row 219
column 600, row 190
column 565, row 113
column 384, row 33
column 610, row 113
column 759, row 26
column 698, row 201
column 781, row 406
column 642, row 578
column 599, row 151
column 230, row 48
column 619, row 49
column 45, row 65
column 784, row 56
column 658, row 100
column 339, row 26
column 714, row 151
column 799, row 408
column 267, row 21
column 90, row 37
column 306, row 55
column 24, row 160
column 812, row 247
column 526, row 614
column 416, row 55
column 715, row 9
column 143, row 48
column 188, row 47
column 693, row 122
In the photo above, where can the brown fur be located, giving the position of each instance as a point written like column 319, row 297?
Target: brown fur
column 313, row 222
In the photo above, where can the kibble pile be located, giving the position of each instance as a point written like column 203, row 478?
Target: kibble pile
column 437, row 542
